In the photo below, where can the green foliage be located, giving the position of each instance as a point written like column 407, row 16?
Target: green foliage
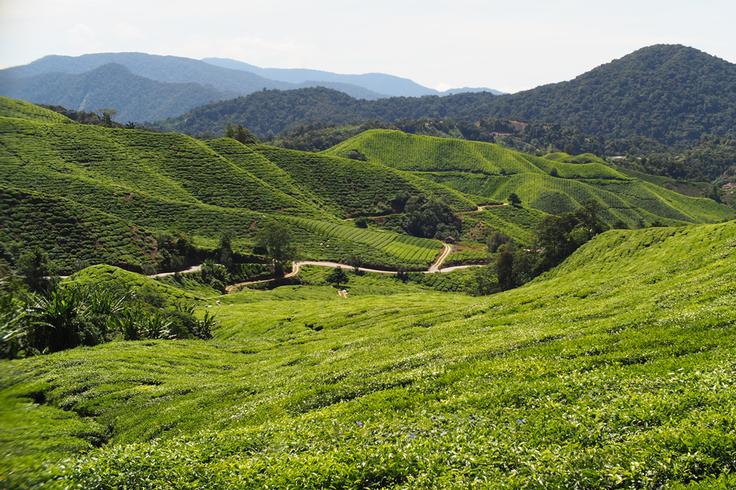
column 337, row 277
column 396, row 250
column 78, row 312
column 25, row 110
column 484, row 280
column 515, row 200
column 602, row 103
column 124, row 196
column 612, row 370
column 225, row 252
column 560, row 236
column 240, row 134
column 505, row 267
column 277, row 244
column 430, row 219
column 687, row 95
column 71, row 233
column 496, row 240
column 35, row 269
column 215, row 275
column 493, row 173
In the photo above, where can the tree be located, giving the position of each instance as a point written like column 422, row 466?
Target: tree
column 514, row 200
column 361, row 222
column 225, row 252
column 560, row 236
column 495, row 240
column 276, row 242
column 356, row 155
column 398, row 202
column 430, row 219
column 216, row 275
column 505, row 267
column 35, row 269
column 355, row 262
column 482, row 282
column 337, row 276
column 241, row 134
column 107, row 115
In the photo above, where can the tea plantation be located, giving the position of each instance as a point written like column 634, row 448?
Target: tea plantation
column 91, row 195
column 614, row 370
column 556, row 184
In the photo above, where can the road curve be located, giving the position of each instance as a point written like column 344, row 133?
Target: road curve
column 435, row 268
column 194, row 268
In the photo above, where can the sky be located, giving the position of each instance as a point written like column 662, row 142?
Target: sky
column 508, row 45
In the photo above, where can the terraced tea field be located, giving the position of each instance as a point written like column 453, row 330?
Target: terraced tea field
column 407, row 251
column 489, row 172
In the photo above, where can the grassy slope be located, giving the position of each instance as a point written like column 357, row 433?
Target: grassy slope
column 71, row 233
column 556, row 184
column 25, row 110
column 170, row 182
column 356, row 187
column 615, row 370
column 517, row 223
column 133, row 283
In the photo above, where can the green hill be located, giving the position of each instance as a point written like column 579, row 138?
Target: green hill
column 105, row 275
column 20, row 109
column 73, row 234
column 103, row 195
column 671, row 94
column 159, row 182
column 554, row 185
column 615, row 370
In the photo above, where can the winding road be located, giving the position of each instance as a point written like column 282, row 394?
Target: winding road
column 435, row 268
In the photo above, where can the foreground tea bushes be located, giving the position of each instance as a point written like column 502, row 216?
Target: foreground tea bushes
column 613, row 370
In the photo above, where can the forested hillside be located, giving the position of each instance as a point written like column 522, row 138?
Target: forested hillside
column 667, row 93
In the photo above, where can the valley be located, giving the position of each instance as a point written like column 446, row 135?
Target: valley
column 220, row 275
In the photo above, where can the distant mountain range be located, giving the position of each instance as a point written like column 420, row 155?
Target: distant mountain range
column 670, row 94
column 379, row 83
column 144, row 87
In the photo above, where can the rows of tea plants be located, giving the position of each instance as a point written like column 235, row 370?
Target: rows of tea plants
column 172, row 166
column 402, row 250
column 25, row 110
column 251, row 160
column 467, row 253
column 426, row 153
column 72, row 235
column 353, row 187
column 555, row 185
column 613, row 371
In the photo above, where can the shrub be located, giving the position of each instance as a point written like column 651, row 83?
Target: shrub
column 73, row 315
column 514, row 200
column 337, row 276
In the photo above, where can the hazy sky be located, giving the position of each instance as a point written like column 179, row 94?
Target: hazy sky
column 509, row 45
